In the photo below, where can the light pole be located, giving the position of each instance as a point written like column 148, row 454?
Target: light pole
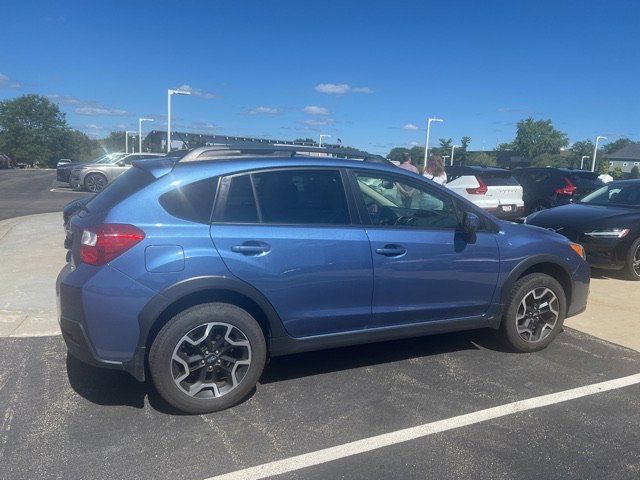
column 140, row 120
column 595, row 151
column 126, row 139
column 321, row 137
column 582, row 160
column 453, row 149
column 169, row 93
column 426, row 145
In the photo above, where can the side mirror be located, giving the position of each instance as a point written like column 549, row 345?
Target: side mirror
column 120, row 163
column 387, row 184
column 470, row 224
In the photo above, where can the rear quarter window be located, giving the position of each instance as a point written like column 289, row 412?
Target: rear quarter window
column 122, row 187
column 192, row 202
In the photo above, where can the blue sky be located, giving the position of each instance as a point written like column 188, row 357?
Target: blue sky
column 371, row 71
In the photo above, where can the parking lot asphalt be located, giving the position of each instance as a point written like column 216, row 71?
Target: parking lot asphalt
column 62, row 419
column 26, row 192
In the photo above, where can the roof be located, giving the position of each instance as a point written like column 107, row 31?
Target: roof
column 630, row 152
column 476, row 168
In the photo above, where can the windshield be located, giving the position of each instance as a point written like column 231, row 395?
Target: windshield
column 109, row 158
column 624, row 194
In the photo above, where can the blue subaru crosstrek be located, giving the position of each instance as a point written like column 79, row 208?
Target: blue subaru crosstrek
column 196, row 269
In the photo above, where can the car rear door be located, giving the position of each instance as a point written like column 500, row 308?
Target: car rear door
column 424, row 270
column 291, row 234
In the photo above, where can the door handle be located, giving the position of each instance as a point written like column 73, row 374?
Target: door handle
column 251, row 248
column 391, row 250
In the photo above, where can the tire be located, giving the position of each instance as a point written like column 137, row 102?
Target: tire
column 95, row 182
column 632, row 264
column 223, row 318
column 521, row 291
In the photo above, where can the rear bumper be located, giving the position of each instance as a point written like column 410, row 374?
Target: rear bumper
column 75, row 330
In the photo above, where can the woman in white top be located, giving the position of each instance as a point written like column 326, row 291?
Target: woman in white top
column 435, row 170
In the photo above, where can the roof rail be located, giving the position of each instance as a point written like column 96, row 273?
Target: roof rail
column 232, row 150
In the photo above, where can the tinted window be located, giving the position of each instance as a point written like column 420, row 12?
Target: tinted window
column 191, row 202
column 395, row 203
column 122, row 187
column 615, row 194
column 498, row 179
column 302, row 197
column 240, row 206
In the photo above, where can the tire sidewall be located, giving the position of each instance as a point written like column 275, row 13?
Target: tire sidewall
column 99, row 175
column 168, row 337
column 631, row 274
column 522, row 287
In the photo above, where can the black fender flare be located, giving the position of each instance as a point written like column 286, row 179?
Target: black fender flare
column 159, row 303
column 527, row 263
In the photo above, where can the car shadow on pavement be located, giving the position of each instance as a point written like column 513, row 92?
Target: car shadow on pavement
column 346, row 358
column 116, row 388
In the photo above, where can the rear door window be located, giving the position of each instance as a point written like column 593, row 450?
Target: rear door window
column 240, row 206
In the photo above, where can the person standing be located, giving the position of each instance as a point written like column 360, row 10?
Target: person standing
column 405, row 191
column 435, row 170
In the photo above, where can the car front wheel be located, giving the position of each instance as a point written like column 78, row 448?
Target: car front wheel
column 534, row 314
column 632, row 266
column 95, row 182
column 207, row 358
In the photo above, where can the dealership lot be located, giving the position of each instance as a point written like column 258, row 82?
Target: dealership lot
column 62, row 419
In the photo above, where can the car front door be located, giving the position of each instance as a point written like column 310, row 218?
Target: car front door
column 291, row 234
column 424, row 268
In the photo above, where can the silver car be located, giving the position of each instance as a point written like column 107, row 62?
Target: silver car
column 93, row 177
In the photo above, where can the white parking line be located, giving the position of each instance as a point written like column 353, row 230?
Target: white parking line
column 325, row 455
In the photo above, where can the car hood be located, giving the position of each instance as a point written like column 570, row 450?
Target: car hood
column 580, row 216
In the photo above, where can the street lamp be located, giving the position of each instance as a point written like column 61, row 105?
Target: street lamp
column 126, row 139
column 453, row 149
column 169, row 93
column 321, row 137
column 582, row 160
column 140, row 120
column 426, row 145
column 595, row 151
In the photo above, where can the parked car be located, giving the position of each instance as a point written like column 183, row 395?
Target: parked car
column 94, row 177
column 6, row 161
column 202, row 268
column 550, row 187
column 495, row 190
column 606, row 222
column 63, row 169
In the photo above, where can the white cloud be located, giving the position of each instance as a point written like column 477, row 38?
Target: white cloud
column 333, row 88
column 341, row 88
column 197, row 92
column 411, row 127
column 414, row 144
column 315, row 110
column 6, row 81
column 366, row 90
column 87, row 107
column 101, row 112
column 318, row 122
column 263, row 111
column 206, row 126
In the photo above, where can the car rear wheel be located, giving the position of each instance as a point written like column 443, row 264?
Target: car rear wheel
column 632, row 265
column 95, row 182
column 534, row 314
column 207, row 358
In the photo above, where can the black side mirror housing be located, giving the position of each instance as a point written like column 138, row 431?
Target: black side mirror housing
column 470, row 224
column 120, row 163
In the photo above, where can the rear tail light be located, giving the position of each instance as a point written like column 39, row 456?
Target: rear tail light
column 568, row 188
column 481, row 190
column 103, row 243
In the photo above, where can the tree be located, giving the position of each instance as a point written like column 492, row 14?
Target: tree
column 444, row 148
column 635, row 172
column 115, row 141
column 617, row 173
column 396, row 154
column 33, row 130
column 505, row 147
column 464, row 142
column 551, row 160
column 483, row 159
column 536, row 137
column 604, row 167
column 617, row 145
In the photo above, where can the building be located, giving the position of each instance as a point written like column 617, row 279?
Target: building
column 626, row 158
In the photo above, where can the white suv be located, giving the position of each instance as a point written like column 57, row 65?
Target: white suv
column 492, row 189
